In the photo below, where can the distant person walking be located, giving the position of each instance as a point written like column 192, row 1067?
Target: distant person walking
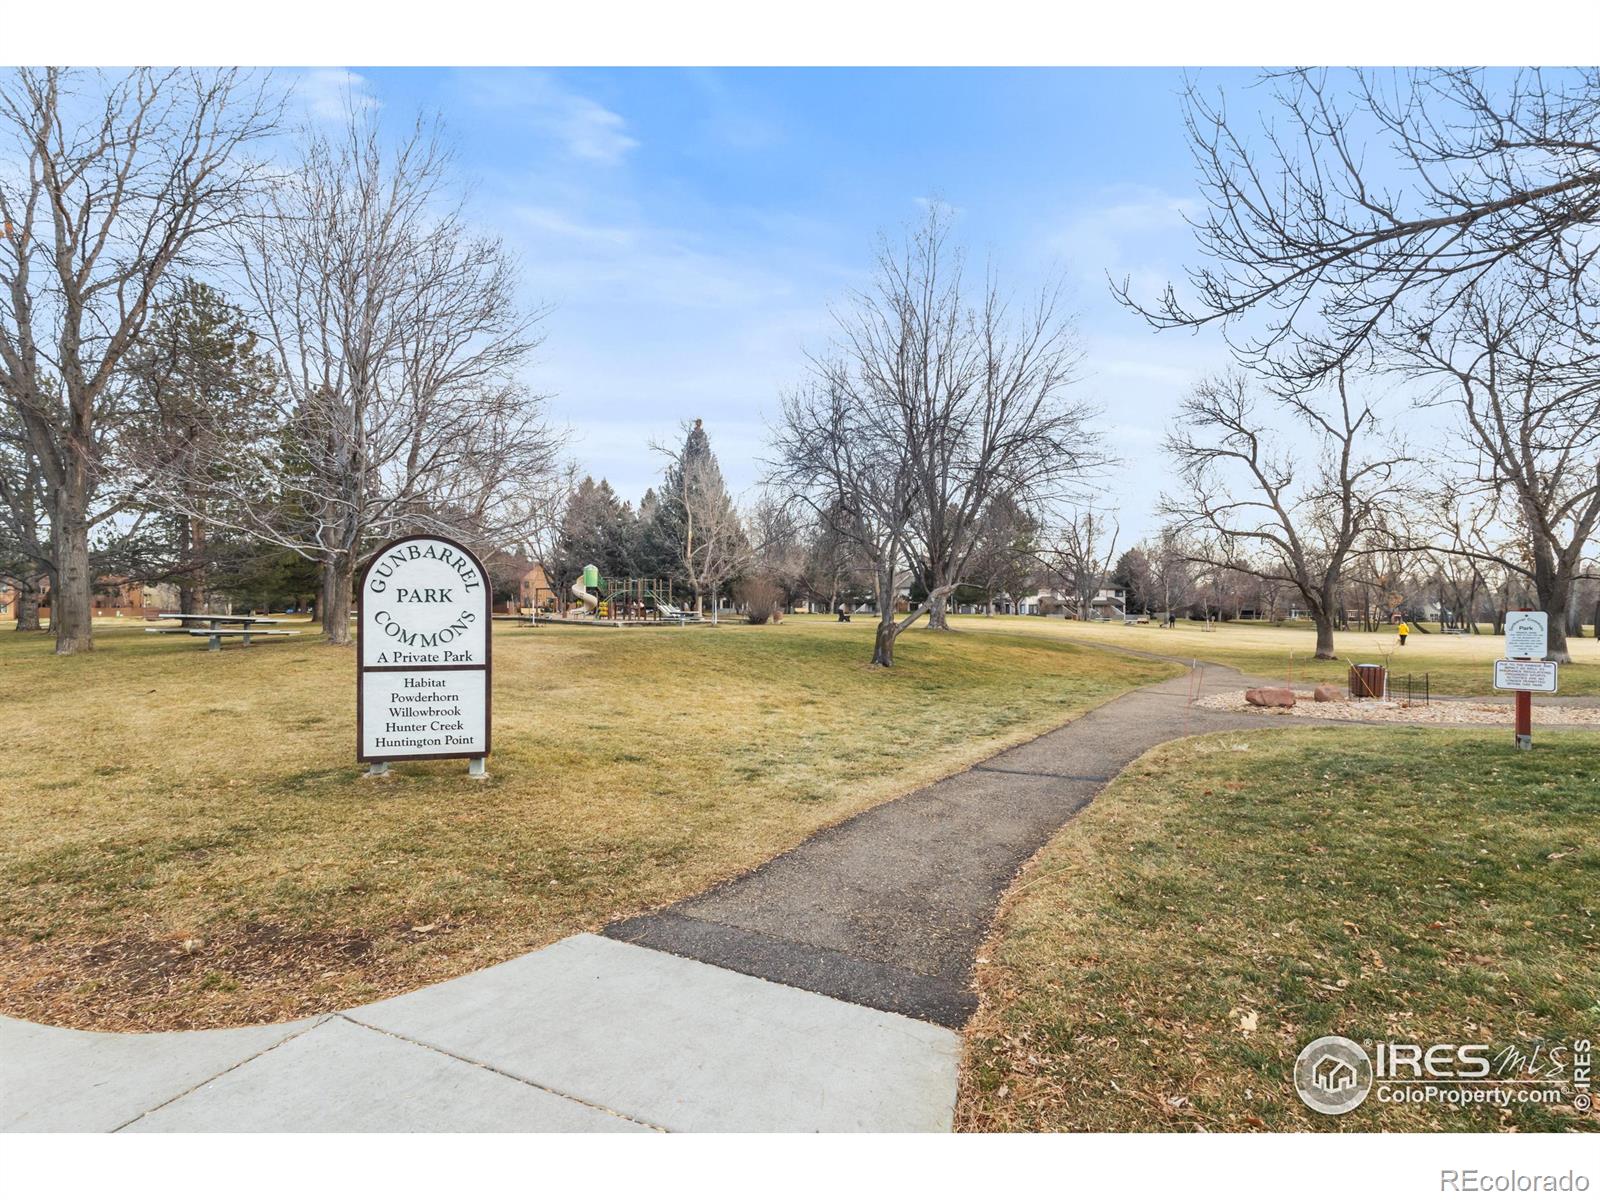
column 1403, row 631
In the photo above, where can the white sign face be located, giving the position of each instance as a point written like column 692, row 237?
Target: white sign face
column 424, row 601
column 420, row 712
column 1527, row 634
column 422, row 686
column 1512, row 676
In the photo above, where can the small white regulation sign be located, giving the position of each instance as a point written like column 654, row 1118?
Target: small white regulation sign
column 1513, row 676
column 423, row 674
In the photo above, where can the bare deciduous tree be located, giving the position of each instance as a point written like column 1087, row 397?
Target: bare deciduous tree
column 1081, row 555
column 833, row 570
column 398, row 340
column 930, row 404
column 1170, row 571
column 1006, row 553
column 778, row 548
column 1252, row 507
column 110, row 181
column 1526, row 390
column 541, row 538
column 1328, row 240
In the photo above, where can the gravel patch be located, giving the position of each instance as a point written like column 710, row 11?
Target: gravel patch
column 1440, row 712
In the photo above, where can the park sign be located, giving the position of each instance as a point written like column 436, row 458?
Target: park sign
column 422, row 676
column 1527, row 639
column 1527, row 634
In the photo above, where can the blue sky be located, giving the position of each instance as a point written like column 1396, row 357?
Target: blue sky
column 690, row 228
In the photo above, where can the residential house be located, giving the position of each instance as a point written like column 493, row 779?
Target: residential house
column 1108, row 604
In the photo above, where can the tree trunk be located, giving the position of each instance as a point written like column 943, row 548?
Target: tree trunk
column 1553, row 595
column 939, row 612
column 1324, row 620
column 883, row 644
column 338, row 584
column 192, row 546
column 27, row 606
column 72, row 597
column 716, row 604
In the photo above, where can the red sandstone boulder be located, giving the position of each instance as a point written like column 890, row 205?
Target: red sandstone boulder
column 1270, row 697
column 1328, row 691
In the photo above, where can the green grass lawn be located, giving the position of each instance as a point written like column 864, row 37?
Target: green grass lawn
column 1228, row 899
column 186, row 839
column 1458, row 665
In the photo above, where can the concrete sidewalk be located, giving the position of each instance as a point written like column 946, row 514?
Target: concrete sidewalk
column 586, row 1035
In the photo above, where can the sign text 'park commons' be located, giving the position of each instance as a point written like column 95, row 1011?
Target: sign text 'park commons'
column 424, row 653
column 424, row 601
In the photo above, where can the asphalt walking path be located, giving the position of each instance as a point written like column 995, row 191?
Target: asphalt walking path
column 819, row 992
column 888, row 909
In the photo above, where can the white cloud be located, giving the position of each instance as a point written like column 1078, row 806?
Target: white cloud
column 584, row 128
column 576, row 260
column 1131, row 232
column 329, row 93
column 551, row 222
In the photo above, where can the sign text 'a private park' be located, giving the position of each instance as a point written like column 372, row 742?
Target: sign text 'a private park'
column 422, row 680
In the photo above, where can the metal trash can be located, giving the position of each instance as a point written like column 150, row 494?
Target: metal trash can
column 1368, row 681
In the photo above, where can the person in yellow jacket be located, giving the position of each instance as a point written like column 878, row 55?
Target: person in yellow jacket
column 1402, row 631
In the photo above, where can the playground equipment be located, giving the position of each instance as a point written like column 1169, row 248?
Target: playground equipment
column 623, row 602
column 589, row 577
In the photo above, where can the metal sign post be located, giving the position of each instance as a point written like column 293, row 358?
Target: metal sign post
column 1524, row 720
column 422, row 675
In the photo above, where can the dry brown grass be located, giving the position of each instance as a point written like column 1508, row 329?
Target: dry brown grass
column 186, row 840
column 1228, row 899
column 1458, row 665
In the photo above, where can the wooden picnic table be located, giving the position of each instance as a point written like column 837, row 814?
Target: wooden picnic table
column 221, row 625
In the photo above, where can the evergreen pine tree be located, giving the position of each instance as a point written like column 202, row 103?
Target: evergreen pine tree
column 596, row 528
column 693, row 494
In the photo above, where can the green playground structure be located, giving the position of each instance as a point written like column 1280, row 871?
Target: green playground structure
column 588, row 578
column 629, row 601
